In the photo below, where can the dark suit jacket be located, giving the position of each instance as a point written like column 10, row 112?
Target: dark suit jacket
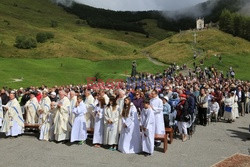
column 243, row 96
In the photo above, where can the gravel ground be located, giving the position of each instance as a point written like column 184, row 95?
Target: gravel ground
column 207, row 146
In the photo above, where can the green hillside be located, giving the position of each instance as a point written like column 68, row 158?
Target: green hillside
column 180, row 48
column 78, row 51
column 28, row 17
column 17, row 73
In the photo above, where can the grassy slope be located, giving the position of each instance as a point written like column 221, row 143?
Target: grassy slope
column 113, row 49
column 49, row 71
column 71, row 40
column 180, row 48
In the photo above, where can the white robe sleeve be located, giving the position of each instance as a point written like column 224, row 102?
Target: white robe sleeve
column 157, row 106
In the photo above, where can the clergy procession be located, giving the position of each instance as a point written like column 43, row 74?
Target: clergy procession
column 125, row 115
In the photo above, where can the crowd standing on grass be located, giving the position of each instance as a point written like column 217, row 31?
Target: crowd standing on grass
column 126, row 115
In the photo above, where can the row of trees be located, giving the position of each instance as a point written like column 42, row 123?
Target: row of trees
column 131, row 21
column 235, row 24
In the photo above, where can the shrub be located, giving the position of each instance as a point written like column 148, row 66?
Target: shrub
column 7, row 22
column 49, row 35
column 23, row 42
column 53, row 23
column 42, row 37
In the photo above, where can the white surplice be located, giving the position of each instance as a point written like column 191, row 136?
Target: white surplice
column 89, row 117
column 32, row 114
column 99, row 125
column 157, row 106
column 148, row 122
column 79, row 129
column 43, row 119
column 61, row 120
column 111, row 130
column 130, row 137
column 120, row 103
column 1, row 112
column 13, row 123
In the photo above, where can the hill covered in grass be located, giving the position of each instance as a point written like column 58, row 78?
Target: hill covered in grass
column 78, row 50
column 73, row 36
column 180, row 48
column 16, row 72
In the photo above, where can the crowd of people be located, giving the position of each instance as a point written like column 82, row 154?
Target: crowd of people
column 125, row 115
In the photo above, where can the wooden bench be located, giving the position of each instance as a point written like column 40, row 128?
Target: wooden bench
column 90, row 130
column 164, row 139
column 33, row 126
column 170, row 132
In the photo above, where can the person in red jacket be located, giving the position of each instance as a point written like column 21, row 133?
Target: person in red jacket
column 39, row 96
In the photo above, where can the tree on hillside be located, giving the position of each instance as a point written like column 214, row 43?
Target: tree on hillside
column 238, row 22
column 226, row 22
column 247, row 29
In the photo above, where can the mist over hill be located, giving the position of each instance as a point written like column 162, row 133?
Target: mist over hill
column 135, row 5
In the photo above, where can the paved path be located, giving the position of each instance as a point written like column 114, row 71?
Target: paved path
column 207, row 146
column 153, row 60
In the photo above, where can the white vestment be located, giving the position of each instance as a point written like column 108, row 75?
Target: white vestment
column 235, row 107
column 44, row 118
column 71, row 114
column 148, row 122
column 79, row 129
column 32, row 114
column 157, row 106
column 61, row 120
column 106, row 98
column 99, row 125
column 13, row 123
column 111, row 130
column 120, row 103
column 228, row 102
column 130, row 137
column 89, row 117
column 1, row 112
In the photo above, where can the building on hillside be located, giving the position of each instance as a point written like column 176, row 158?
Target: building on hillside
column 200, row 24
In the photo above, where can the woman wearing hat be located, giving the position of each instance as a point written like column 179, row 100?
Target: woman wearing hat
column 166, row 111
column 182, row 117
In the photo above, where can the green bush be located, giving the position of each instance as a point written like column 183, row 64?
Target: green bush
column 42, row 37
column 23, row 42
column 49, row 35
column 53, row 23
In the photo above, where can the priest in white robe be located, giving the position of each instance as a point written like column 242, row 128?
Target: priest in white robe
column 44, row 110
column 1, row 112
column 89, row 116
column 148, row 128
column 31, row 107
column 79, row 129
column 157, row 106
column 99, row 122
column 111, row 116
column 13, row 123
column 73, row 100
column 105, row 96
column 130, row 137
column 120, row 103
column 49, row 123
column 61, row 117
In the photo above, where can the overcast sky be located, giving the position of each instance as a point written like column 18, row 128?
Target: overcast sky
column 136, row 5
